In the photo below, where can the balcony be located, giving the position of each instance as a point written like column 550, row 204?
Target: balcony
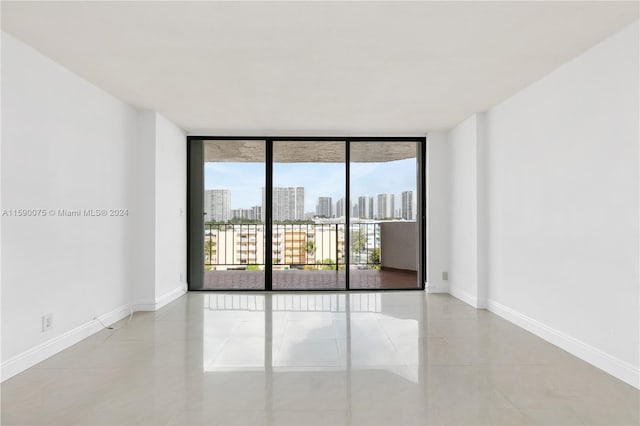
column 311, row 256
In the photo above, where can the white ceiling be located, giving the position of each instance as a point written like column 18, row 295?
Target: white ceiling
column 318, row 68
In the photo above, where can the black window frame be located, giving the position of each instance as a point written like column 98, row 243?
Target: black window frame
column 195, row 207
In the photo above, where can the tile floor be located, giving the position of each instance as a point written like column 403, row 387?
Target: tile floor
column 400, row 358
column 366, row 279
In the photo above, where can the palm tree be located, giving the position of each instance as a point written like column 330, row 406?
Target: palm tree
column 311, row 247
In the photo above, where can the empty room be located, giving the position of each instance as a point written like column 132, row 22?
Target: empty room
column 320, row 213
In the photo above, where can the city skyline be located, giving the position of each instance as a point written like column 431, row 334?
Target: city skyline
column 287, row 206
column 245, row 180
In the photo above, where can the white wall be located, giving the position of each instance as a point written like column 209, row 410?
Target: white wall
column 170, row 209
column 145, row 218
column 562, row 191
column 66, row 145
column 399, row 245
column 69, row 145
column 463, row 208
column 467, row 209
column 161, row 228
column 438, row 176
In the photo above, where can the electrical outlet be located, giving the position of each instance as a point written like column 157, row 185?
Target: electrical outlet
column 445, row 276
column 47, row 322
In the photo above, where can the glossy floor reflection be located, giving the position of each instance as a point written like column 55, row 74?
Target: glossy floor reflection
column 316, row 359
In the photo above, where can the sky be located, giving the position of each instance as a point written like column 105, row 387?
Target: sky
column 245, row 180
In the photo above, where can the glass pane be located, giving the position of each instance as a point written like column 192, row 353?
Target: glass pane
column 383, row 231
column 234, row 175
column 308, row 215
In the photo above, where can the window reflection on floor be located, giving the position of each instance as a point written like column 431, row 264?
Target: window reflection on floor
column 312, row 332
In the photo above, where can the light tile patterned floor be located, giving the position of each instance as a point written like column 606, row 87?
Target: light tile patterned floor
column 316, row 359
column 365, row 279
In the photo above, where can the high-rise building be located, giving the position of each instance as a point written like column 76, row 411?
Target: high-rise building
column 240, row 213
column 324, row 208
column 299, row 210
column 217, row 205
column 365, row 207
column 288, row 203
column 386, row 206
column 256, row 212
column 340, row 208
column 409, row 205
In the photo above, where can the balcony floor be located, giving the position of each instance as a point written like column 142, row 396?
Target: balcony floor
column 366, row 279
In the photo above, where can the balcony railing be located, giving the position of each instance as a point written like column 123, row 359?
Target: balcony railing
column 298, row 246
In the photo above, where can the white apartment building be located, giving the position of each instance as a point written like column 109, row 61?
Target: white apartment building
column 288, row 203
column 386, row 206
column 324, row 208
column 409, row 205
column 217, row 205
column 365, row 207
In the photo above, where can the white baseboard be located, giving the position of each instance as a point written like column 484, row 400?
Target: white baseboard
column 436, row 287
column 160, row 301
column 170, row 296
column 612, row 365
column 39, row 353
column 467, row 298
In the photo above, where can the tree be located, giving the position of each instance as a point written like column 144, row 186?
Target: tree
column 311, row 247
column 374, row 257
column 208, row 245
column 358, row 242
column 328, row 265
column 240, row 221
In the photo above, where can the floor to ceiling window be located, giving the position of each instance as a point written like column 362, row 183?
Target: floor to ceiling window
column 384, row 225
column 306, row 231
column 306, row 213
column 234, row 234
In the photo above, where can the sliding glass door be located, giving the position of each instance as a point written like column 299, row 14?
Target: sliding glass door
column 306, row 214
column 233, row 220
column 307, row 228
column 384, row 227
